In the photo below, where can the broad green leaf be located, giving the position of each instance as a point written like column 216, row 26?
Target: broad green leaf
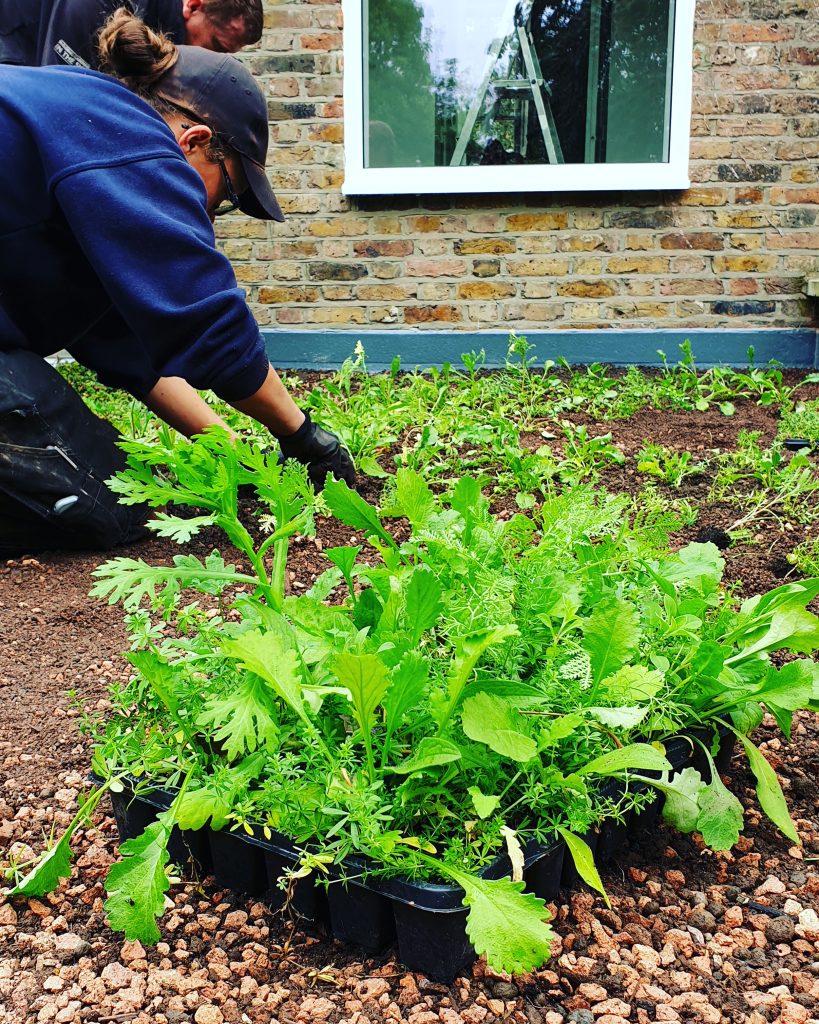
column 367, row 678
column 352, row 509
column 610, row 635
column 583, row 859
column 195, row 807
column 414, row 498
column 493, row 721
column 635, row 756
column 795, row 630
column 326, row 582
column 631, row 684
column 769, row 792
column 270, row 657
column 367, row 465
column 720, row 815
column 422, row 603
column 682, row 795
column 162, row 677
column 178, row 529
column 485, row 806
column 431, row 752
column 618, row 718
column 790, row 687
column 137, row 884
column 468, row 651
column 409, row 680
column 696, row 564
column 510, row 927
column 243, row 719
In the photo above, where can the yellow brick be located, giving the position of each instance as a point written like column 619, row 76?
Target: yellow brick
column 637, row 265
column 490, row 246
column 588, row 265
column 283, row 294
column 744, row 240
column 744, row 264
column 587, row 289
column 537, row 221
column 537, row 268
column 337, row 315
column 704, row 196
column 485, row 290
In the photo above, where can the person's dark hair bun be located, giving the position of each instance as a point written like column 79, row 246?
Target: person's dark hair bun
column 134, row 53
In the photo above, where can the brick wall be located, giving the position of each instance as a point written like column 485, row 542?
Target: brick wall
column 731, row 251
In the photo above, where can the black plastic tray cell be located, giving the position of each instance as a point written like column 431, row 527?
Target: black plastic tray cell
column 433, row 942
column 543, row 875
column 132, row 815
column 307, row 902
column 360, row 916
column 237, row 863
column 646, row 819
column 613, row 836
column 190, row 851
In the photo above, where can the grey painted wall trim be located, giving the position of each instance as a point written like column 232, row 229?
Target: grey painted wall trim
column 327, row 350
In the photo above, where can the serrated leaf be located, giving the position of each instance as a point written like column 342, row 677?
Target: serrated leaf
column 682, row 795
column 367, row 678
column 431, row 752
column 162, row 677
column 631, row 684
column 326, row 582
column 367, row 465
column 269, row 656
column 468, row 650
column 720, row 817
column 178, row 529
column 413, row 498
column 196, row 807
column 769, row 792
column 136, row 885
column 583, row 860
column 493, row 721
column 610, row 635
column 422, row 603
column 349, row 507
column 508, row 926
column 243, row 719
column 558, row 729
column 409, row 680
column 634, row 756
column 485, row 806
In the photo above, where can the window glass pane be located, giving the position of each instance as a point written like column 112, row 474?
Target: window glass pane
column 470, row 82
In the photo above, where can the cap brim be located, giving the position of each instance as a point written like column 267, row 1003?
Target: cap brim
column 258, row 200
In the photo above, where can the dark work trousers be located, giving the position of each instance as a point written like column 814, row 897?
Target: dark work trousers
column 55, row 456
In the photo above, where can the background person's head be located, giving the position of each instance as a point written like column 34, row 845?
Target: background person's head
column 210, row 101
column 224, row 26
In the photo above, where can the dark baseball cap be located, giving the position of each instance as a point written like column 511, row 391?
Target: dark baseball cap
column 220, row 90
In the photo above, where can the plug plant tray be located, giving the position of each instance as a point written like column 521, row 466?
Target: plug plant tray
column 426, row 919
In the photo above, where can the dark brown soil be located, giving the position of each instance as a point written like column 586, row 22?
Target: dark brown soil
column 55, row 642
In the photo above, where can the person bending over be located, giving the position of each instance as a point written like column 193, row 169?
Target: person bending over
column 38, row 32
column 107, row 249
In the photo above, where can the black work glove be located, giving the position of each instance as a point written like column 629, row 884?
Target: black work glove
column 320, row 451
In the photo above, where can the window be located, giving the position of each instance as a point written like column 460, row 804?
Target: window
column 516, row 95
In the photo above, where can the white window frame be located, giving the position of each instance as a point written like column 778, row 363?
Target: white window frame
column 673, row 174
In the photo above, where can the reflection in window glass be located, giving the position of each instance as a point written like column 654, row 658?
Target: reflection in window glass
column 471, row 82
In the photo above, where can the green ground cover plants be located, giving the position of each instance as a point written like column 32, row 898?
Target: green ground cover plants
column 452, row 689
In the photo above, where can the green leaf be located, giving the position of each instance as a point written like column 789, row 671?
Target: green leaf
column 507, row 925
column 682, row 794
column 699, row 565
column 769, row 792
column 344, row 558
column 618, row 718
column 162, row 677
column 409, row 680
column 367, row 678
column 270, row 656
column 195, row 807
column 423, row 603
column 352, row 509
column 641, row 756
column 720, row 815
column 53, row 865
column 610, row 635
column 485, row 806
column 367, row 465
column 137, row 884
column 468, row 650
column 178, row 529
column 631, row 684
column 492, row 720
column 413, row 498
column 243, row 718
column 559, row 729
column 430, row 752
column 583, row 859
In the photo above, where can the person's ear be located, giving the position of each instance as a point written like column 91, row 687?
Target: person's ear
column 190, row 7
column 193, row 137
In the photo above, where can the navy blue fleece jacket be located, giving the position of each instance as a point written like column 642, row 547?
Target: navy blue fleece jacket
column 105, row 244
